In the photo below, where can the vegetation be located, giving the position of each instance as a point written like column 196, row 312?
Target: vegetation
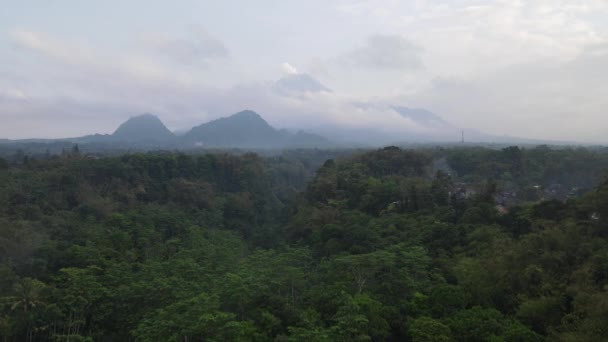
column 381, row 245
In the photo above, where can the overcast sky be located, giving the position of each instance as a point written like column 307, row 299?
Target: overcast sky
column 536, row 68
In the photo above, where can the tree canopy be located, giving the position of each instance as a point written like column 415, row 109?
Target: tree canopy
column 398, row 245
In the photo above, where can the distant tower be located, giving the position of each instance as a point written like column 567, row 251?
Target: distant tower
column 462, row 139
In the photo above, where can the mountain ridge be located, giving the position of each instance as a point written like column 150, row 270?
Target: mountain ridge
column 248, row 129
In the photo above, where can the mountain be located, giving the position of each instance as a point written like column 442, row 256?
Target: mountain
column 143, row 128
column 446, row 131
column 303, row 139
column 424, row 127
column 430, row 127
column 420, row 116
column 299, row 83
column 248, row 129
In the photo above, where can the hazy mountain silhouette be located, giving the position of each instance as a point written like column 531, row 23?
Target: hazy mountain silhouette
column 299, row 83
column 425, row 127
column 421, row 116
column 248, row 129
column 142, row 128
column 304, row 139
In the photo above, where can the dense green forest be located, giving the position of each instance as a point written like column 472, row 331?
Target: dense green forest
column 432, row 244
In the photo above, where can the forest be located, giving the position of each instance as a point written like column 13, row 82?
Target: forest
column 424, row 244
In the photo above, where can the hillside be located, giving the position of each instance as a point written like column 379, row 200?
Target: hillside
column 373, row 246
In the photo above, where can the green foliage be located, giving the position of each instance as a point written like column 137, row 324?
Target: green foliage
column 425, row 329
column 377, row 245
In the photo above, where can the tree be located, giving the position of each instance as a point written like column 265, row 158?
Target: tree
column 363, row 268
column 193, row 318
column 441, row 187
column 28, row 294
column 360, row 318
column 28, row 297
column 476, row 324
column 426, row 329
column 75, row 150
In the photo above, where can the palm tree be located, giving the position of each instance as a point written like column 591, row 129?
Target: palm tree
column 28, row 294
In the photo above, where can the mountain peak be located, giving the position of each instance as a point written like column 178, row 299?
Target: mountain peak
column 300, row 83
column 247, row 129
column 144, row 127
column 146, row 116
column 247, row 113
column 241, row 129
column 419, row 115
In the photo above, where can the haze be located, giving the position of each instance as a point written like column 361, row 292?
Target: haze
column 535, row 69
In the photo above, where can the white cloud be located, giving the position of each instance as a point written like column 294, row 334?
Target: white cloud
column 386, row 52
column 529, row 68
column 95, row 96
column 12, row 94
column 198, row 48
column 548, row 99
column 289, row 69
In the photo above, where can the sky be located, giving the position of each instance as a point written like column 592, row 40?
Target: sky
column 536, row 69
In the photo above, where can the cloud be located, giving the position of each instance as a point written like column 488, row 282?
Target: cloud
column 90, row 95
column 48, row 46
column 12, row 94
column 387, row 52
column 199, row 48
column 289, row 69
column 97, row 98
column 549, row 99
column 364, row 8
column 72, row 88
column 84, row 63
column 527, row 68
